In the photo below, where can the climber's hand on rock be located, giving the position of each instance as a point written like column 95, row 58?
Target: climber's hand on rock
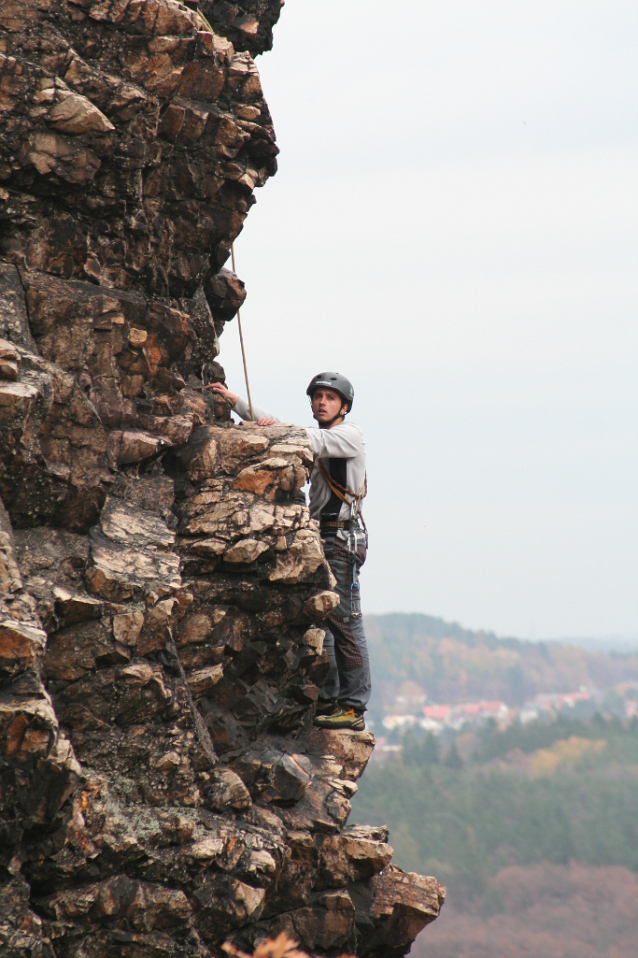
column 266, row 422
column 221, row 390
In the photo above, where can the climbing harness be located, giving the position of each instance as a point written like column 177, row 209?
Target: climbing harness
column 353, row 532
column 356, row 543
column 328, row 524
column 342, row 492
column 355, row 593
column 241, row 340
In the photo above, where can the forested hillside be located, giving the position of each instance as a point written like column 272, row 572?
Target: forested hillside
column 544, row 911
column 454, row 664
column 575, row 798
column 526, row 803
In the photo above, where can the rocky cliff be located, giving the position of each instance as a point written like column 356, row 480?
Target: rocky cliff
column 162, row 788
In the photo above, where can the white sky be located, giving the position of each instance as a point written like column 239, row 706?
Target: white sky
column 454, row 226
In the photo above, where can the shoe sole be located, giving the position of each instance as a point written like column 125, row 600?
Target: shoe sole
column 358, row 726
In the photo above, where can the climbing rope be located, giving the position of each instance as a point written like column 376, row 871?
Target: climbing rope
column 201, row 731
column 208, row 27
column 241, row 340
column 204, row 20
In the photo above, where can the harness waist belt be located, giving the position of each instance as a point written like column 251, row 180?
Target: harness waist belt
column 333, row 524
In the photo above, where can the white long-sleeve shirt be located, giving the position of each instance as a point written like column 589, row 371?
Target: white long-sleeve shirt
column 344, row 441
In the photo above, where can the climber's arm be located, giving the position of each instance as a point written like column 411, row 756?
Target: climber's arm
column 241, row 407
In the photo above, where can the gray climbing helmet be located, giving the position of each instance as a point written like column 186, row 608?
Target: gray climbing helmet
column 334, row 381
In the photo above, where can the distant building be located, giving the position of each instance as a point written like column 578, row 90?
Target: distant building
column 563, row 699
column 437, row 717
column 410, row 698
column 473, row 711
column 431, row 725
column 399, row 721
column 555, row 701
column 438, row 713
column 528, row 714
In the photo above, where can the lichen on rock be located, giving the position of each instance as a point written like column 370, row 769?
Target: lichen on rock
column 162, row 587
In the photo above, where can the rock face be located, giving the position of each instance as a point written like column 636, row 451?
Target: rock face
column 162, row 788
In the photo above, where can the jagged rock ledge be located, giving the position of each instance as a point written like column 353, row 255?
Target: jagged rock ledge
column 121, row 828
column 162, row 587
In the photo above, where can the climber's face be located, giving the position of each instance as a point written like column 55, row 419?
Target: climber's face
column 327, row 405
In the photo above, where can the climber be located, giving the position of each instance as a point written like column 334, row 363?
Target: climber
column 337, row 486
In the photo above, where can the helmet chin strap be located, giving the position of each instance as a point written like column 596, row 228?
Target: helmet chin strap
column 327, row 425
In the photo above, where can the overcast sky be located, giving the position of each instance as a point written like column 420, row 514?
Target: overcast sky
column 454, row 226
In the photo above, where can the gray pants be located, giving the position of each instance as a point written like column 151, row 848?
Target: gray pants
column 349, row 677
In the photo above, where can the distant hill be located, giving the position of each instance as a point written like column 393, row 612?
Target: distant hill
column 575, row 911
column 533, row 828
column 453, row 664
column 611, row 643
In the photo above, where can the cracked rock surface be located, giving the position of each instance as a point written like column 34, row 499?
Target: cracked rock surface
column 162, row 587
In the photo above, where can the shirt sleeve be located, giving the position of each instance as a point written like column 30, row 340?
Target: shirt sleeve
column 242, row 409
column 341, row 442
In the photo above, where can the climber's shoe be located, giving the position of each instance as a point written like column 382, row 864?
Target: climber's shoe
column 326, row 707
column 343, row 718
